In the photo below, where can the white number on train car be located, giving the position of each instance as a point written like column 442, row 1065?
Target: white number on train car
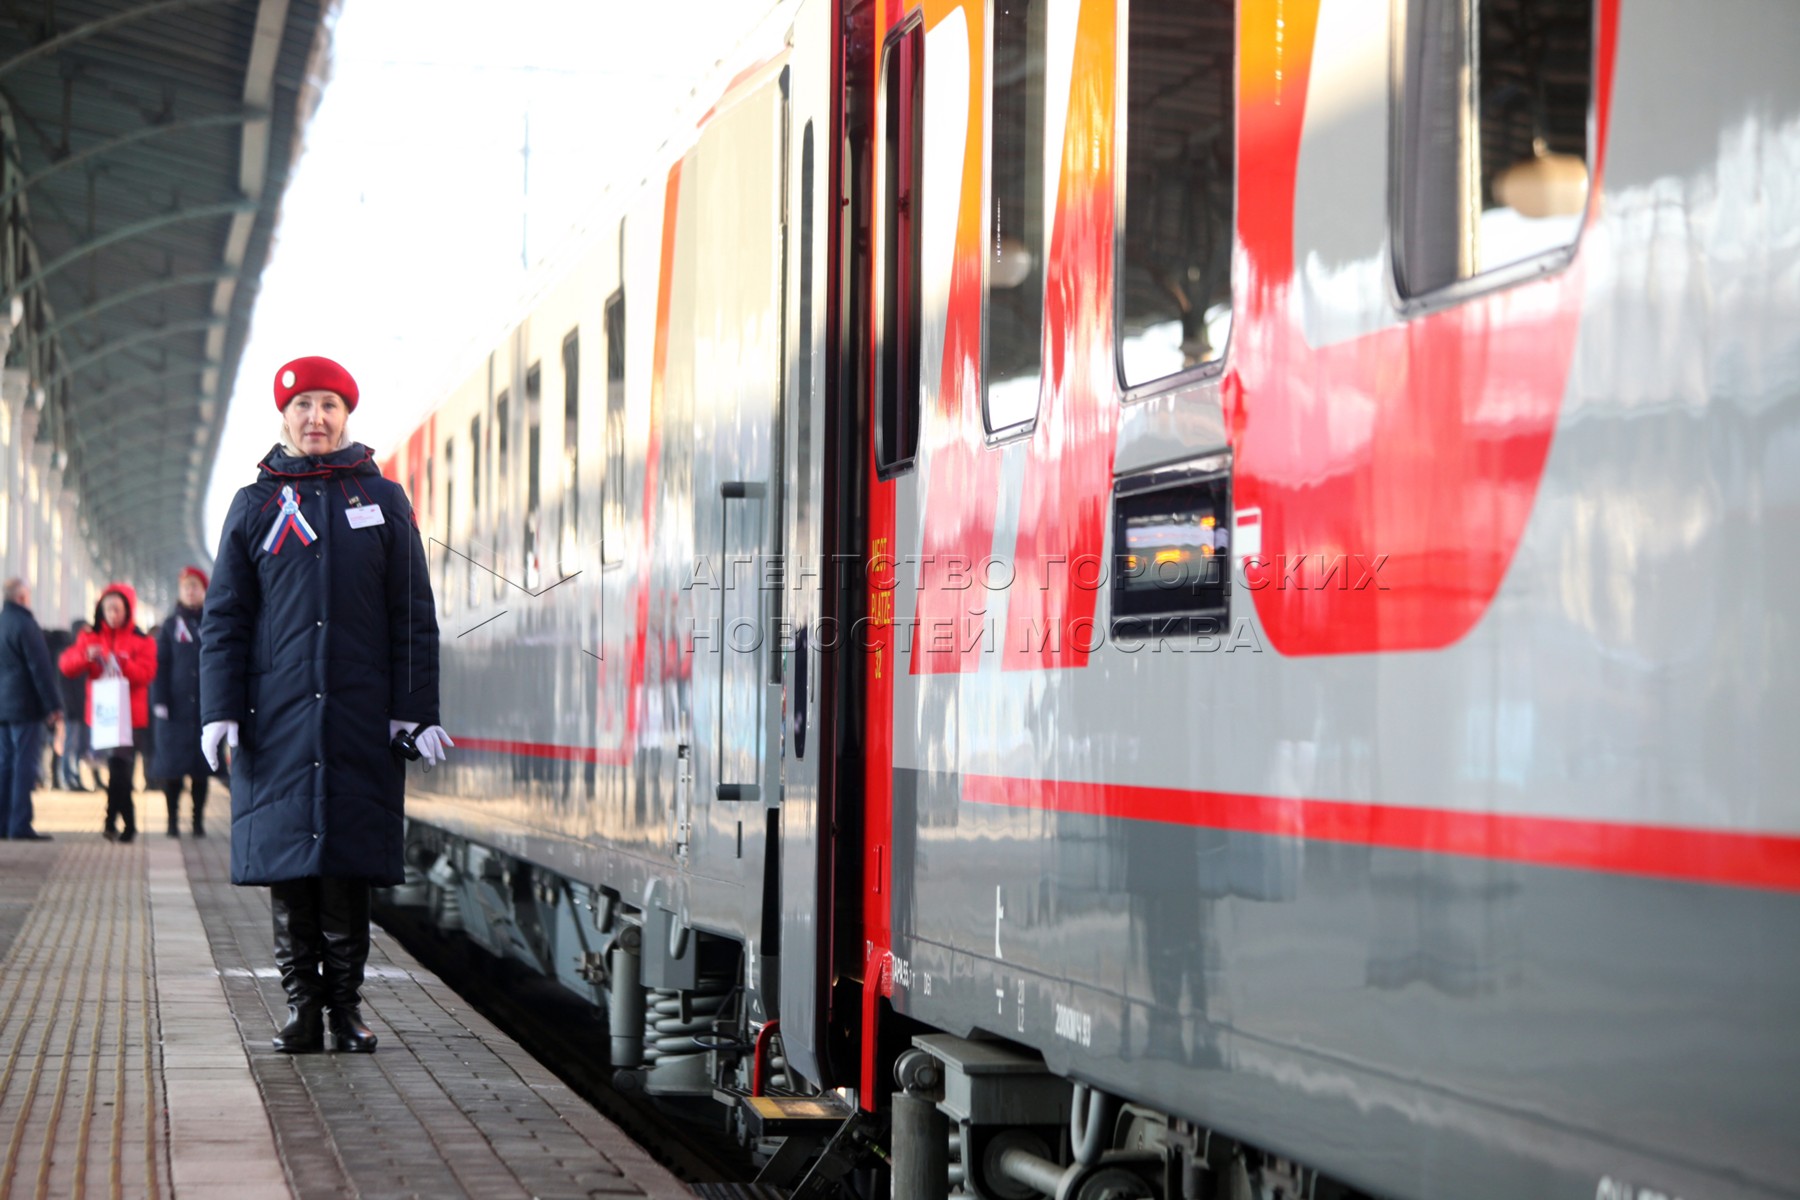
column 1074, row 1025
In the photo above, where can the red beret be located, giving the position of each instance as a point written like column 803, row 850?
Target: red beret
column 313, row 374
column 197, row 573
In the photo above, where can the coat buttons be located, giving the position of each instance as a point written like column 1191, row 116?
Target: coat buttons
column 315, row 764
column 318, row 622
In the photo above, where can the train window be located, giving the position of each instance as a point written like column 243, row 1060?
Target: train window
column 502, row 432
column 445, row 590
column 897, row 350
column 1174, row 265
column 1015, row 257
column 1491, row 136
column 501, row 473
column 474, row 505
column 612, row 519
column 571, row 478
column 534, row 472
column 430, row 483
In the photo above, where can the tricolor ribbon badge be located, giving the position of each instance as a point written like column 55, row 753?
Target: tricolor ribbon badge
column 181, row 631
column 290, row 518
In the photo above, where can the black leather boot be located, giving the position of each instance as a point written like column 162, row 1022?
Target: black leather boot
column 174, row 799
column 344, row 920
column 348, row 1033
column 294, row 905
column 200, row 807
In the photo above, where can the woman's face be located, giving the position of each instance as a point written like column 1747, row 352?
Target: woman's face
column 192, row 594
column 315, row 421
column 113, row 609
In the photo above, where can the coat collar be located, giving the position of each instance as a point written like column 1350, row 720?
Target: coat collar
column 353, row 459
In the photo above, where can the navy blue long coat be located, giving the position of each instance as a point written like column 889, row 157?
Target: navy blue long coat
column 317, row 632
column 176, row 688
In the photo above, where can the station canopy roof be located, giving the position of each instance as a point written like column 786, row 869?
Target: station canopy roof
column 146, row 145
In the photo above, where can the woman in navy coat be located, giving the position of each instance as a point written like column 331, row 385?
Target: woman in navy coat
column 318, row 649
column 175, row 702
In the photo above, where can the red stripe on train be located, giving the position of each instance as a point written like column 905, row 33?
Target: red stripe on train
column 583, row 754
column 1754, row 860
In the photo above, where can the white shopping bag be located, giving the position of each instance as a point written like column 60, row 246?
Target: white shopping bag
column 111, row 695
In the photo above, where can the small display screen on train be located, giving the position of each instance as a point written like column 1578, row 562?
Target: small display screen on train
column 1172, row 560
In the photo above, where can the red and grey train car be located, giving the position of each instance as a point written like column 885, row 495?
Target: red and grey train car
column 1195, row 598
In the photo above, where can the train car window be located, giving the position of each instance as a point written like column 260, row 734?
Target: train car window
column 612, row 519
column 1491, row 137
column 475, row 505
column 534, row 471
column 475, row 459
column 445, row 590
column 502, row 435
column 1174, row 252
column 571, row 477
column 430, row 484
column 897, row 350
column 1015, row 255
column 501, row 472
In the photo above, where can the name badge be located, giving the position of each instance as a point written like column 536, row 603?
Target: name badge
column 363, row 516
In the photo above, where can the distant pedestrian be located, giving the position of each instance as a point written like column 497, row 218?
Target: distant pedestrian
column 115, row 647
column 175, row 703
column 29, row 698
column 319, row 662
column 58, row 640
column 76, row 749
column 145, row 740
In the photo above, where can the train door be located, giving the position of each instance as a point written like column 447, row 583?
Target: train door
column 803, row 742
column 724, row 393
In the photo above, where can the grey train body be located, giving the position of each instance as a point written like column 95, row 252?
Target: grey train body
column 1485, row 1021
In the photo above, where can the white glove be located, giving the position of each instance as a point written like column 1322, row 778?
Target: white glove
column 432, row 741
column 161, row 710
column 214, row 733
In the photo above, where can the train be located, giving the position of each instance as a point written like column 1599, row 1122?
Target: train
column 1161, row 598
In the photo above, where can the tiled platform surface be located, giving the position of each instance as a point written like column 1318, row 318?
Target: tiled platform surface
column 136, row 1003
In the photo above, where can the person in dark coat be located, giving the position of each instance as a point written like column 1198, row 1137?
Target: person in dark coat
column 75, row 727
column 29, row 698
column 175, row 703
column 56, row 641
column 319, row 664
column 146, row 741
column 114, row 639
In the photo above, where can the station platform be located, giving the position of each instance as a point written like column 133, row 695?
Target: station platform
column 137, row 999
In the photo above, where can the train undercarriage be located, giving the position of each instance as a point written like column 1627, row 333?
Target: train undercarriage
column 967, row 1117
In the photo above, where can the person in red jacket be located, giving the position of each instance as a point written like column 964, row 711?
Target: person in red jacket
column 113, row 636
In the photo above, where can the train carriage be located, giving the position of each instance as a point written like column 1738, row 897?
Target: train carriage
column 1191, row 598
